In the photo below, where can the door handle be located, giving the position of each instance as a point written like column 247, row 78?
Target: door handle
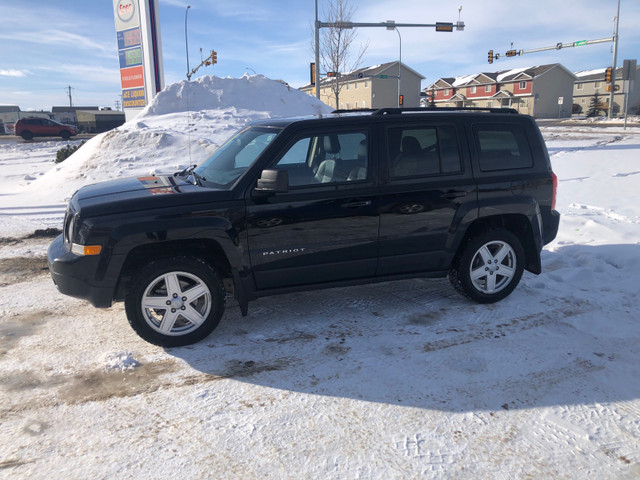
column 452, row 195
column 363, row 203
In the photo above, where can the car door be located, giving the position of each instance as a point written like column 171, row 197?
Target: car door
column 429, row 190
column 325, row 228
column 49, row 128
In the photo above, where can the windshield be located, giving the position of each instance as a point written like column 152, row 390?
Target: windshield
column 233, row 158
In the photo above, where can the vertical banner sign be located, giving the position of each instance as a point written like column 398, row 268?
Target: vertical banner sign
column 128, row 31
column 141, row 69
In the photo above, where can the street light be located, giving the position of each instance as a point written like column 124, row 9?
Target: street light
column 391, row 26
column 186, row 39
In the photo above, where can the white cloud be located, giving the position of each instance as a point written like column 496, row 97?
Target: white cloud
column 13, row 73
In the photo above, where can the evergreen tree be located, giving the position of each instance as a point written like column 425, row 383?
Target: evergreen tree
column 595, row 108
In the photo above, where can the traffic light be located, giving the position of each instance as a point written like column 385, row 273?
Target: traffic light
column 490, row 56
column 312, row 72
column 607, row 75
column 333, row 74
column 511, row 53
column 401, row 100
column 214, row 56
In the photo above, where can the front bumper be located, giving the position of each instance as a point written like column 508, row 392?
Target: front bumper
column 71, row 274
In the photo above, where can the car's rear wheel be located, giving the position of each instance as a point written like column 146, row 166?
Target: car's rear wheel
column 489, row 266
column 65, row 134
column 175, row 301
column 27, row 135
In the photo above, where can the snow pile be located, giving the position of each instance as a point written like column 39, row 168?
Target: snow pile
column 120, row 361
column 250, row 93
column 182, row 126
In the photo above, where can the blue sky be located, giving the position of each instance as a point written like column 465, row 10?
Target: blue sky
column 47, row 45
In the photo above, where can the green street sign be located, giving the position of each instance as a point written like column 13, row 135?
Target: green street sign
column 580, row 43
column 384, row 76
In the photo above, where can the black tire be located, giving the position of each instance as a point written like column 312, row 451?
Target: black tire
column 65, row 134
column 175, row 301
column 488, row 266
column 26, row 135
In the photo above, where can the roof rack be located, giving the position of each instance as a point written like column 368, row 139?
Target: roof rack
column 355, row 110
column 394, row 110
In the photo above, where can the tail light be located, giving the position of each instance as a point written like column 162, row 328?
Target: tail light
column 555, row 190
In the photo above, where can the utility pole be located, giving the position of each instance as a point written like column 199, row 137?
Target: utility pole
column 69, row 87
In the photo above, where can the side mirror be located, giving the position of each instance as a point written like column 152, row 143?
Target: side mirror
column 273, row 181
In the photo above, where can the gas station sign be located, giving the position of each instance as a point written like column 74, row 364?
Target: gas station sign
column 139, row 52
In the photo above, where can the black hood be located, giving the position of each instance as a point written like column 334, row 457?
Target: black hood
column 140, row 193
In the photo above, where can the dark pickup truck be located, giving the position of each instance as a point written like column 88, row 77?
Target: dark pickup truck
column 307, row 203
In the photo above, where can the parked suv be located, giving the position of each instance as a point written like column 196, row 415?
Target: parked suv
column 306, row 203
column 28, row 128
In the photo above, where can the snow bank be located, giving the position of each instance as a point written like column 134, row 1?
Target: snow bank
column 182, row 126
column 251, row 93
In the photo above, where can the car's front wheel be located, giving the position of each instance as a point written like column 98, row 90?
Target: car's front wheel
column 65, row 134
column 489, row 266
column 175, row 301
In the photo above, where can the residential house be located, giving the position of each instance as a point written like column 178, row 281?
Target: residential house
column 591, row 81
column 378, row 86
column 543, row 91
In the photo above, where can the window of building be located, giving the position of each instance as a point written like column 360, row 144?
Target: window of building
column 487, row 88
column 597, row 84
column 523, row 85
column 347, row 86
column 355, row 86
column 366, row 84
column 446, row 92
column 579, row 86
column 364, row 104
column 356, row 104
column 472, row 89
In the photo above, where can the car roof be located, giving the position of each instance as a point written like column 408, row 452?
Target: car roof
column 389, row 115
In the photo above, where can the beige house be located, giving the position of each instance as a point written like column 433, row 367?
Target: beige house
column 592, row 81
column 372, row 87
column 544, row 91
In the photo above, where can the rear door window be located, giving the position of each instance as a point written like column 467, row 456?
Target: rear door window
column 423, row 151
column 502, row 147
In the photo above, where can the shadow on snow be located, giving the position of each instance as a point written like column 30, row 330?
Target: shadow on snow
column 567, row 336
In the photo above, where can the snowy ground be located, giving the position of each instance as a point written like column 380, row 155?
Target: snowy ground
column 391, row 381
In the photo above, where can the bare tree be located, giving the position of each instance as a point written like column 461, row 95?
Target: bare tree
column 336, row 43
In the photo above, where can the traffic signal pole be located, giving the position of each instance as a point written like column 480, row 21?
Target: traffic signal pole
column 390, row 25
column 615, row 59
column 557, row 46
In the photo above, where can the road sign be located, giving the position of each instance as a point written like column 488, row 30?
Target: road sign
column 580, row 43
column 384, row 76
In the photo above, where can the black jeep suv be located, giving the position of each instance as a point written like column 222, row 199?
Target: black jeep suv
column 307, row 203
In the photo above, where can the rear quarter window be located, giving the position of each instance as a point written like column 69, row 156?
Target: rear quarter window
column 502, row 147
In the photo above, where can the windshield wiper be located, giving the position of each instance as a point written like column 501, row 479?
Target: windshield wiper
column 189, row 171
column 186, row 171
column 197, row 179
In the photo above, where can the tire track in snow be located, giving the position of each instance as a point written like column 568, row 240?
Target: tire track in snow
column 511, row 326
